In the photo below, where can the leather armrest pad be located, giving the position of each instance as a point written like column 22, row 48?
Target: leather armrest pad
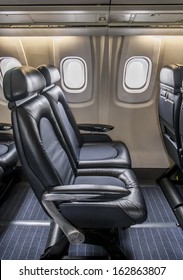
column 95, row 127
column 86, row 192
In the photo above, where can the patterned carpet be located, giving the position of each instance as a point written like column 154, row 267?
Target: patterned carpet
column 24, row 229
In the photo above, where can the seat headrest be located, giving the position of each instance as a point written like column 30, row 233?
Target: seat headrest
column 50, row 73
column 172, row 76
column 22, row 82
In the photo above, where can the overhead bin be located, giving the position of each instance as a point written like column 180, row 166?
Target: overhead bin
column 91, row 2
column 103, row 13
column 55, row 2
column 67, row 15
column 145, row 2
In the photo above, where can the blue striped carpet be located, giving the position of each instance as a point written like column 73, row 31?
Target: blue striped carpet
column 19, row 242
column 24, row 229
column 21, row 204
column 157, row 205
column 153, row 243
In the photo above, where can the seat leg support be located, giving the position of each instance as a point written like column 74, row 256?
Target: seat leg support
column 108, row 239
column 58, row 244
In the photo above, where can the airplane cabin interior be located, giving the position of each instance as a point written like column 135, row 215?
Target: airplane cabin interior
column 91, row 130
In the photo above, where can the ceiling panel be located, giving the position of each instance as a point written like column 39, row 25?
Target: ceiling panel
column 15, row 19
column 54, row 2
column 115, row 17
column 87, row 31
column 90, row 2
column 96, row 12
column 146, row 2
column 68, row 14
column 159, row 18
column 145, row 18
column 64, row 19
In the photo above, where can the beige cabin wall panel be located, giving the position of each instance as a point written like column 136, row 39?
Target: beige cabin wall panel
column 86, row 48
column 139, row 129
column 137, row 124
column 31, row 51
column 5, row 114
column 10, row 46
column 172, row 50
column 38, row 50
column 34, row 51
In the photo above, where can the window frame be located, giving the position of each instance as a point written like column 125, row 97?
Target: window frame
column 63, row 83
column 144, row 87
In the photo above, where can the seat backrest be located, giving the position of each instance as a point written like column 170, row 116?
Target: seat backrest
column 61, row 109
column 171, row 77
column 43, row 153
column 181, row 132
column 8, row 154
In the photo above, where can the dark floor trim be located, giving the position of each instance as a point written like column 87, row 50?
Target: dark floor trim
column 148, row 173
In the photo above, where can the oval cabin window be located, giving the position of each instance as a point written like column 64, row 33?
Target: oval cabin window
column 73, row 74
column 137, row 73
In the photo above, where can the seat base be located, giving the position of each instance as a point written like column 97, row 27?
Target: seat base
column 57, row 244
column 171, row 183
column 7, row 180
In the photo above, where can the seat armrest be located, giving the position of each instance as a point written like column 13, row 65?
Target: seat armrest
column 86, row 192
column 73, row 234
column 95, row 127
column 5, row 126
column 77, row 193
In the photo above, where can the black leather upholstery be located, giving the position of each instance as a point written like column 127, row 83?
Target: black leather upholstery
column 169, row 109
column 24, row 83
column 87, row 154
column 8, row 160
column 8, row 154
column 99, row 199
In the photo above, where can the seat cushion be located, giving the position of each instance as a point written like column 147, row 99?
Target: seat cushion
column 109, row 154
column 99, row 180
column 119, row 212
column 97, row 152
column 3, row 149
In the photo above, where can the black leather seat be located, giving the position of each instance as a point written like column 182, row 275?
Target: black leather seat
column 169, row 110
column 91, row 150
column 8, row 154
column 181, row 135
column 75, row 199
column 8, row 158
